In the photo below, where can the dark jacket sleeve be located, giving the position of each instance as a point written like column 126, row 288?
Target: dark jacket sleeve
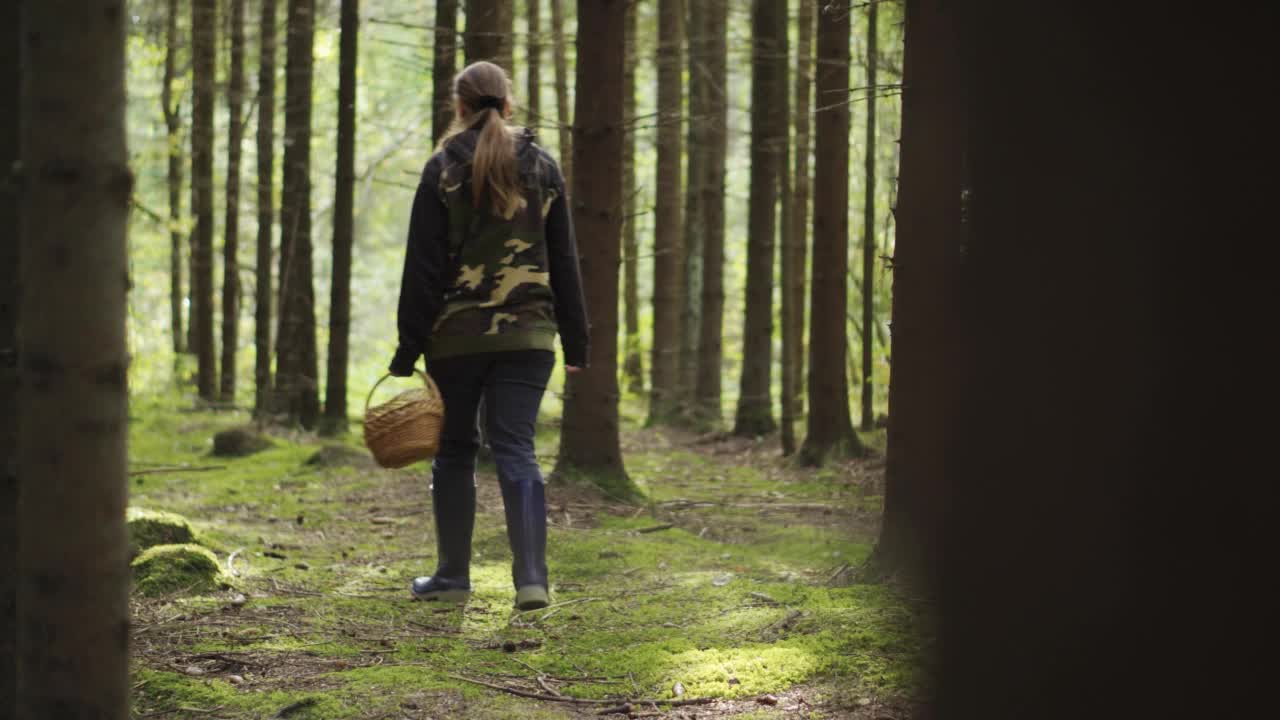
column 566, row 279
column 426, row 259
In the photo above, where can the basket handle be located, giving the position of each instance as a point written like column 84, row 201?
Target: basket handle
column 426, row 379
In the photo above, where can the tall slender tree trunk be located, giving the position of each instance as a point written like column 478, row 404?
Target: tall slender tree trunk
column 231, row 242
column 266, row 209
column 795, row 246
column 296, row 365
column 10, row 127
column 563, row 118
column 633, row 365
column 335, row 396
column 444, row 66
column 830, row 428
column 73, row 571
column 869, row 223
column 694, row 222
column 533, row 71
column 204, row 43
column 489, row 34
column 768, row 138
column 173, row 127
column 590, row 444
column 668, row 246
column 711, row 325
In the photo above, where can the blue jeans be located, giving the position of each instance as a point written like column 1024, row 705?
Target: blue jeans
column 511, row 385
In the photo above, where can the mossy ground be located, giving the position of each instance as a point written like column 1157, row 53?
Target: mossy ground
column 732, row 602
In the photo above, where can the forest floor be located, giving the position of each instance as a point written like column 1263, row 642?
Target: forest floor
column 744, row 604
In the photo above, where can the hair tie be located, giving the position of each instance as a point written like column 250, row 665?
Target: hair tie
column 489, row 101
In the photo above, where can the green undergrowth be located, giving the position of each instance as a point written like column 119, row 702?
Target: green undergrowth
column 731, row 601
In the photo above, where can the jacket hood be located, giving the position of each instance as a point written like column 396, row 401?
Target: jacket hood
column 462, row 147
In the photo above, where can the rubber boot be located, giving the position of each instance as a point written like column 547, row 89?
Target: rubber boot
column 454, row 505
column 526, row 508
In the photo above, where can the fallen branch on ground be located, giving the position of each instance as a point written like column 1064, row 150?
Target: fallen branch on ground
column 176, row 468
column 578, row 701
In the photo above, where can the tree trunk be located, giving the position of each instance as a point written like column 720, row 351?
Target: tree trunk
column 830, row 431
column 795, row 246
column 563, row 118
column 11, row 92
column 694, row 223
column 335, row 396
column 73, row 572
column 173, row 126
column 633, row 366
column 533, row 77
column 231, row 243
column 444, row 66
column 266, row 209
column 768, row 138
column 489, row 34
column 296, row 365
column 711, row 325
column 668, row 246
column 869, row 223
column 204, row 43
column 589, row 443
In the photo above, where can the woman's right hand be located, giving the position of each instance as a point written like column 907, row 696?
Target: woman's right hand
column 572, row 369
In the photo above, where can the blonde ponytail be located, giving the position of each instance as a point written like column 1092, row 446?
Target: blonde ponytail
column 480, row 88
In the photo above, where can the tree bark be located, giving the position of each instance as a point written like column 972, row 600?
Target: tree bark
column 266, row 209
column 173, row 127
column 204, row 42
column 231, row 242
column 589, row 443
column 296, row 364
column 711, row 325
column 335, row 397
column 10, row 227
column 563, row 117
column 869, row 223
column 489, row 34
column 668, row 246
column 768, row 138
column 73, row 573
column 533, row 76
column 633, row 366
column 795, row 247
column 444, row 66
column 830, row 432
column 694, row 222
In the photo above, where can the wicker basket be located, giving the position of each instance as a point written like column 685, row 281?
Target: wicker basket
column 405, row 429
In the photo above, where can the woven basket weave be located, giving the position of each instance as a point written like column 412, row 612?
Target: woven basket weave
column 405, row 429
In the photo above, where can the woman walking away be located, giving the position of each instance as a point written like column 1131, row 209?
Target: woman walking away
column 490, row 275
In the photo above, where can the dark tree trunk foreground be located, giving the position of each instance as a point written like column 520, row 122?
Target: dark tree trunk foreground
column 444, row 66
column 830, row 431
column 266, row 210
column 173, row 129
column 589, row 442
column 533, row 71
column 231, row 244
column 633, row 365
column 488, row 35
column 11, row 96
column 73, row 571
column 204, row 43
column 795, row 247
column 706, row 392
column 869, row 223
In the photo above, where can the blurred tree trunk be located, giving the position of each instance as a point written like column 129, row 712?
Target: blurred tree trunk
column 533, row 77
column 589, row 443
column 231, row 243
column 668, row 247
column 10, row 227
column 711, row 324
column 490, row 32
column 563, row 117
column 73, row 568
column 869, row 223
column 830, row 427
column 204, row 43
column 795, row 245
column 768, row 138
column 173, row 127
column 266, row 209
column 335, row 396
column 633, row 366
column 444, row 66
column 694, row 223
column 296, row 365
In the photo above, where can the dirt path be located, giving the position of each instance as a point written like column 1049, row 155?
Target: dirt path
column 721, row 590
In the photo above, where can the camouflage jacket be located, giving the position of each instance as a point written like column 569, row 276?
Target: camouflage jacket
column 477, row 282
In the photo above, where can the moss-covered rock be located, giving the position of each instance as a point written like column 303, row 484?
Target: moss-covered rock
column 331, row 456
column 186, row 568
column 148, row 528
column 239, row 442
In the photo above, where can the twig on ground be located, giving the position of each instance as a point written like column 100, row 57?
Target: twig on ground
column 176, row 468
column 656, row 528
column 575, row 701
column 231, row 560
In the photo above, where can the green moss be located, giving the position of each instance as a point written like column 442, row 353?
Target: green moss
column 148, row 528
column 168, row 569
